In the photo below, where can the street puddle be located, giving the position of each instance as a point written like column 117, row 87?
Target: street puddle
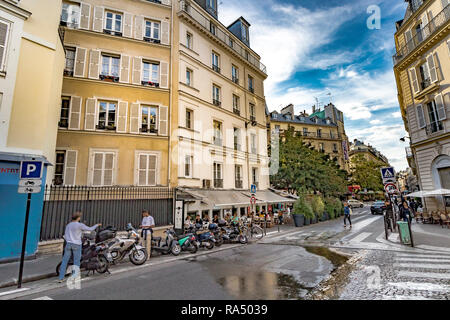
column 336, row 259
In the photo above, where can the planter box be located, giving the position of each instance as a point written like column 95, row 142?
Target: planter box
column 325, row 217
column 307, row 221
column 299, row 220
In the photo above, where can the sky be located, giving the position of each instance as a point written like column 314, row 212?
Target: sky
column 325, row 50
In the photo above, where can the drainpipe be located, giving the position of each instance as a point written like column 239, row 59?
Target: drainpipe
column 169, row 162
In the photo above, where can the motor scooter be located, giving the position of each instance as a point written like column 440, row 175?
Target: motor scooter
column 167, row 245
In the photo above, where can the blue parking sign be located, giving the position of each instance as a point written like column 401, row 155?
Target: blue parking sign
column 31, row 169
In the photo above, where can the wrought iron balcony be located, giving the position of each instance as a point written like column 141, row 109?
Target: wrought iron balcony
column 217, row 103
column 409, row 153
column 218, row 183
column 434, row 127
column 425, row 84
column 237, row 111
column 238, row 184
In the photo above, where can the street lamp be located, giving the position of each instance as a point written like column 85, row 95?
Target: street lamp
column 404, row 139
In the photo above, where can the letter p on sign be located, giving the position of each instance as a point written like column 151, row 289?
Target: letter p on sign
column 31, row 170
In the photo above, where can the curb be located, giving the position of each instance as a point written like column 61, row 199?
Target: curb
column 28, row 279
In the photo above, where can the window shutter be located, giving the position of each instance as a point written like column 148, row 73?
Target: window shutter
column 97, row 169
column 70, row 168
column 141, row 169
column 127, row 25
column 94, row 64
column 164, row 75
column 80, row 62
column 134, row 118
column 425, row 26
column 165, row 33
column 91, row 114
column 432, row 67
column 122, row 113
column 139, row 27
column 98, row 19
column 108, row 170
column 3, row 39
column 414, row 82
column 408, row 38
column 137, row 66
column 421, row 117
column 151, row 170
column 124, row 69
column 163, row 121
column 85, row 16
column 75, row 113
column 440, row 107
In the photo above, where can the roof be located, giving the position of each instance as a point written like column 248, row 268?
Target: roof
column 303, row 120
column 238, row 19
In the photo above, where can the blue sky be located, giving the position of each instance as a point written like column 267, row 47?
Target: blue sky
column 315, row 48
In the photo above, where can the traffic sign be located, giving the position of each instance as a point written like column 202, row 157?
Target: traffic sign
column 253, row 200
column 31, row 169
column 30, row 183
column 253, row 188
column 391, row 188
column 388, row 174
column 36, row 189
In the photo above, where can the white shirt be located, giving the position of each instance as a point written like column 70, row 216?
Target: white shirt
column 148, row 221
column 74, row 230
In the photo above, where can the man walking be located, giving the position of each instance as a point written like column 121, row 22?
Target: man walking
column 72, row 237
column 347, row 213
column 147, row 225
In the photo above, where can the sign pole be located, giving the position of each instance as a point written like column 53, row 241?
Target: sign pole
column 24, row 242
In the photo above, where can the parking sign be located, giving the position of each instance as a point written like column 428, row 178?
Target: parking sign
column 31, row 169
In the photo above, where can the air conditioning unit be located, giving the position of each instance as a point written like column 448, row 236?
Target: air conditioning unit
column 206, row 184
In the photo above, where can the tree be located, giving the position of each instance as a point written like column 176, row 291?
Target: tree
column 366, row 173
column 304, row 169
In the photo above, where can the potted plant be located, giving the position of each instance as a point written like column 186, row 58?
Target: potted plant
column 301, row 212
column 318, row 207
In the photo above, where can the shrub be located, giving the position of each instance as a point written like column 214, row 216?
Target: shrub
column 317, row 205
column 301, row 206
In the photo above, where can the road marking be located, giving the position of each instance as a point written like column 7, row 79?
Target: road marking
column 421, row 260
column 422, row 265
column 365, row 223
column 13, row 291
column 420, row 286
column 43, row 298
column 394, row 237
column 422, row 255
column 361, row 237
column 397, row 297
column 423, row 246
column 426, row 275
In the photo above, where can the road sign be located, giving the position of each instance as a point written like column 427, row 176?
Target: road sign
column 30, row 183
column 31, row 169
column 388, row 174
column 391, row 188
column 253, row 188
column 253, row 200
column 32, row 189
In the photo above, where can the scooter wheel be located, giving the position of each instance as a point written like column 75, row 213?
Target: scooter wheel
column 210, row 245
column 103, row 264
column 243, row 239
column 138, row 257
column 176, row 250
column 219, row 242
column 193, row 248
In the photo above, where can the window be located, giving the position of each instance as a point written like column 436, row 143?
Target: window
column 212, row 28
column 147, row 169
column 149, row 116
column 236, row 105
column 152, row 31
column 70, row 15
column 251, row 88
column 188, row 119
column 59, row 168
column 321, row 147
column 255, row 176
column 277, row 129
column 335, row 147
column 319, row 133
column 211, row 4
column 103, row 166
column 189, row 77
column 189, row 39
column 238, row 177
column 4, row 33
column 70, row 62
column 110, row 68
column 252, row 112
column 107, row 115
column 113, row 23
column 150, row 74
column 231, row 43
column 237, row 139
column 64, row 117
column 215, row 62
column 217, row 138
column 216, row 95
column 245, row 37
column 305, row 132
column 188, row 160
column 235, row 74
column 253, row 143
column 435, row 124
column 425, row 76
column 218, row 182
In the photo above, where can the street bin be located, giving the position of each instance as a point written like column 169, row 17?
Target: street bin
column 403, row 229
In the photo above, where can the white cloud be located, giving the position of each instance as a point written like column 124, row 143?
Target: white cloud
column 376, row 121
column 397, row 114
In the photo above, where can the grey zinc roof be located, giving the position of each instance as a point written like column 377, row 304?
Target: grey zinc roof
column 303, row 120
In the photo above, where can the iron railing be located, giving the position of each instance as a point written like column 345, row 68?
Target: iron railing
column 434, row 25
column 110, row 206
column 224, row 37
column 218, row 183
column 434, row 128
column 409, row 153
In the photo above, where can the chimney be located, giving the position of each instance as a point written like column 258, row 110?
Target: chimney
column 313, row 108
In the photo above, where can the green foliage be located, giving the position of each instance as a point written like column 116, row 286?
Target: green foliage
column 304, row 169
column 317, row 205
column 366, row 173
column 301, row 206
column 333, row 207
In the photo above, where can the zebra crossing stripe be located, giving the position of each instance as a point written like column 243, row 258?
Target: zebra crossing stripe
column 361, row 237
column 422, row 265
column 394, row 237
column 424, row 275
column 397, row 297
column 429, row 256
column 43, row 298
column 421, row 260
column 420, row 286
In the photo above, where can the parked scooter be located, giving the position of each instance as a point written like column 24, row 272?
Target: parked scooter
column 234, row 234
column 204, row 238
column 217, row 234
column 187, row 243
column 121, row 247
column 167, row 245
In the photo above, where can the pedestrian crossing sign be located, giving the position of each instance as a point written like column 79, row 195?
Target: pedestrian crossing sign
column 388, row 174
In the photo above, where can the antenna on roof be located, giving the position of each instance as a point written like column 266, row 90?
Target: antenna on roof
column 331, row 97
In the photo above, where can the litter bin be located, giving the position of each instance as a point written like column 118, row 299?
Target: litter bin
column 405, row 235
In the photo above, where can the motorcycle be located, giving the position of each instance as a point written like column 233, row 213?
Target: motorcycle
column 234, row 234
column 121, row 247
column 168, row 245
column 187, row 243
column 204, row 239
column 217, row 234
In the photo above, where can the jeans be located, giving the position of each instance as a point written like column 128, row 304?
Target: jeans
column 71, row 248
column 347, row 216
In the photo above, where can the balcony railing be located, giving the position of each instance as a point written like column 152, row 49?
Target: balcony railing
column 319, row 136
column 425, row 84
column 237, row 111
column 216, row 68
column 238, row 184
column 435, row 24
column 434, row 127
column 409, row 153
column 218, row 183
column 217, row 103
column 205, row 22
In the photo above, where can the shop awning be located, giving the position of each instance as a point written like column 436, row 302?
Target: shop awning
column 270, row 197
column 219, row 198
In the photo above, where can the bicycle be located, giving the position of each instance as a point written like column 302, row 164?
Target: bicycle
column 254, row 231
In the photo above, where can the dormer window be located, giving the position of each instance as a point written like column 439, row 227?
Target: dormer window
column 245, row 35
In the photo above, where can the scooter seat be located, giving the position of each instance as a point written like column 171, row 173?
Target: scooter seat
column 156, row 239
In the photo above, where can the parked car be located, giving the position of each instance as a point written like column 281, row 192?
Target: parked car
column 355, row 204
column 378, row 207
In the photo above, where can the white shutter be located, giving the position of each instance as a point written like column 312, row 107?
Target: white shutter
column 70, row 168
column 108, row 169
column 440, row 107
column 420, row 117
column 414, row 82
column 164, row 75
column 137, row 67
column 165, row 32
column 122, row 114
column 85, row 16
column 124, row 69
column 139, row 27
column 151, row 173
column 94, row 64
column 408, row 38
column 98, row 19
column 425, row 26
column 80, row 62
column 163, row 121
column 90, row 120
column 134, row 118
column 97, row 169
column 75, row 113
column 127, row 25
column 3, row 41
column 432, row 67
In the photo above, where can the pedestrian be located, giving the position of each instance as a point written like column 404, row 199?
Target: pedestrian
column 280, row 217
column 347, row 213
column 147, row 225
column 235, row 219
column 72, row 237
column 187, row 222
column 405, row 212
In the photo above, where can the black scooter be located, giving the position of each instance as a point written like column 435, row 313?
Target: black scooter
column 167, row 245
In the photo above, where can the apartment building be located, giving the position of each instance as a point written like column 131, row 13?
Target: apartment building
column 422, row 72
column 115, row 98
column 323, row 129
column 369, row 152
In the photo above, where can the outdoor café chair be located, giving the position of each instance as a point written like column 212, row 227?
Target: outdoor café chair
column 426, row 217
column 445, row 220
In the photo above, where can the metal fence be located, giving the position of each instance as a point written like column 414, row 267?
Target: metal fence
column 110, row 206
